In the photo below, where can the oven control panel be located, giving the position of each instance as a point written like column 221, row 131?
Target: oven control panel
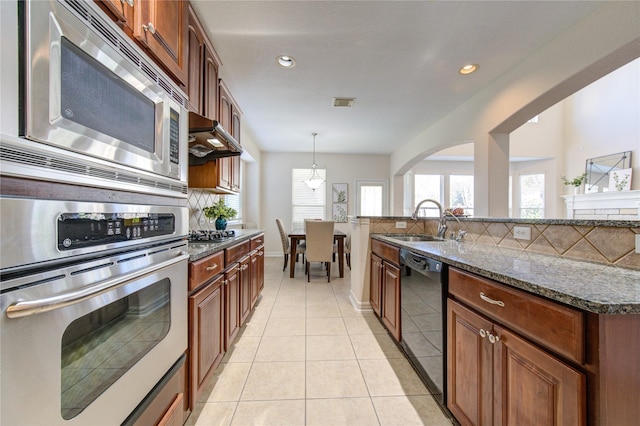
column 80, row 230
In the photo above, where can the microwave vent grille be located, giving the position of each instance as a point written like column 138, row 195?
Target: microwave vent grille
column 93, row 19
column 61, row 164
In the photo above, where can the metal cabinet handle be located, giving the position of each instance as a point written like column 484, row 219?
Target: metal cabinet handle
column 483, row 333
column 490, row 300
column 212, row 267
column 149, row 27
column 493, row 338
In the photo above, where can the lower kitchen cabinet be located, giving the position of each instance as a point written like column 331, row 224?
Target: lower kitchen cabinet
column 245, row 289
column 231, row 304
column 496, row 376
column 257, row 268
column 385, row 285
column 206, row 334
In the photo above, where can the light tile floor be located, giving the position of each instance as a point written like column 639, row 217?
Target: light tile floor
column 307, row 357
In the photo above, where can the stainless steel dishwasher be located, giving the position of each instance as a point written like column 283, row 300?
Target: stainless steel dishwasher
column 423, row 297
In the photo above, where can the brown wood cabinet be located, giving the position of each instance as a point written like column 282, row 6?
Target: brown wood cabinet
column 206, row 334
column 385, row 285
column 121, row 11
column 203, row 66
column 498, row 377
column 232, row 304
column 257, row 268
column 375, row 291
column 245, row 288
column 161, row 27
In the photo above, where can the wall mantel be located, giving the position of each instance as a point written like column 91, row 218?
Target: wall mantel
column 612, row 205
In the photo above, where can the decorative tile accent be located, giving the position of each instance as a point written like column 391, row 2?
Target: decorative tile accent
column 198, row 200
column 583, row 250
column 612, row 243
column 562, row 237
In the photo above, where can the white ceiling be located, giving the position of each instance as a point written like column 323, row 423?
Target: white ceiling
column 399, row 59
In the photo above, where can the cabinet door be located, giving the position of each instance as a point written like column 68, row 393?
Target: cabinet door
column 235, row 173
column 161, row 26
column 375, row 290
column 206, row 334
column 225, row 107
column 245, row 289
column 232, row 304
column 122, row 11
column 391, row 299
column 257, row 274
column 211, row 65
column 195, row 63
column 225, row 172
column 469, row 366
column 534, row 388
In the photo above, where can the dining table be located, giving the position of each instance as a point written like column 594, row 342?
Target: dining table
column 297, row 235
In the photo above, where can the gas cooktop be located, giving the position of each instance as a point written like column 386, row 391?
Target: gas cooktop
column 211, row 235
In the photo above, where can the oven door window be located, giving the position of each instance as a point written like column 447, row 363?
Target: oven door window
column 100, row 347
column 94, row 97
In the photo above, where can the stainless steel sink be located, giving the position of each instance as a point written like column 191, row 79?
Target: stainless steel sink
column 415, row 238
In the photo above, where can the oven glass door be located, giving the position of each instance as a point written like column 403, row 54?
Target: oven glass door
column 101, row 346
column 84, row 344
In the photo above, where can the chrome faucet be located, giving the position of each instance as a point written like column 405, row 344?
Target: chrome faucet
column 442, row 226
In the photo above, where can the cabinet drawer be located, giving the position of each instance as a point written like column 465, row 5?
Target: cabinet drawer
column 386, row 251
column 257, row 241
column 234, row 253
column 204, row 269
column 550, row 324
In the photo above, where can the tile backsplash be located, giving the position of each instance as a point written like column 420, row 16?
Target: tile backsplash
column 613, row 245
column 198, row 200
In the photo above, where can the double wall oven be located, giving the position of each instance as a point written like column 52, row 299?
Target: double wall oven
column 93, row 272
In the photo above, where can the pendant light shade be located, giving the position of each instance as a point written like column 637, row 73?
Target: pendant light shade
column 315, row 180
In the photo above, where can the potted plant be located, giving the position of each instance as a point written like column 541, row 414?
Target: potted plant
column 575, row 182
column 221, row 212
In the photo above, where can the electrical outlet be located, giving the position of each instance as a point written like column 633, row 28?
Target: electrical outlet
column 401, row 225
column 637, row 243
column 522, row 232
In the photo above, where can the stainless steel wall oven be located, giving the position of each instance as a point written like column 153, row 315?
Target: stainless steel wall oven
column 94, row 308
column 94, row 109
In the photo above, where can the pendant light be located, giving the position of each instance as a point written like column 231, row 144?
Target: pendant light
column 314, row 181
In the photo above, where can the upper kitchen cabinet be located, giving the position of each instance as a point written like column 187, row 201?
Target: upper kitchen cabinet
column 203, row 65
column 161, row 27
column 121, row 11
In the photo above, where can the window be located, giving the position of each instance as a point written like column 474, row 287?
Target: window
column 307, row 203
column 235, row 202
column 532, row 196
column 371, row 198
column 428, row 186
column 461, row 192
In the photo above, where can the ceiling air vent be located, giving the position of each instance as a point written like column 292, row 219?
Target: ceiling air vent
column 343, row 102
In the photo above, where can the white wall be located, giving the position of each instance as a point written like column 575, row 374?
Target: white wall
column 276, row 185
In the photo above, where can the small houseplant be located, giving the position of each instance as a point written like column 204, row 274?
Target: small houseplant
column 221, row 212
column 575, row 182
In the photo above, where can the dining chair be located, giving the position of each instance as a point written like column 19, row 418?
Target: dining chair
column 286, row 246
column 319, row 240
column 347, row 249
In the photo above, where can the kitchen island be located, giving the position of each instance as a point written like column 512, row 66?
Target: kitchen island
column 532, row 337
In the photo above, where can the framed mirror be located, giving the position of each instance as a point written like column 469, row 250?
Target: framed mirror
column 599, row 169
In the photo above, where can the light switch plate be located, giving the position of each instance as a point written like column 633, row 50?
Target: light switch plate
column 637, row 243
column 401, row 225
column 522, row 232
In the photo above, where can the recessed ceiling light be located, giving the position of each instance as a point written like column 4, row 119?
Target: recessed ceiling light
column 468, row 69
column 285, row 61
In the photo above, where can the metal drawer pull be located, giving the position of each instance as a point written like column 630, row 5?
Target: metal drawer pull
column 490, row 300
column 212, row 267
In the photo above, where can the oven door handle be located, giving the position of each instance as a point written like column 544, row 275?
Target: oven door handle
column 31, row 307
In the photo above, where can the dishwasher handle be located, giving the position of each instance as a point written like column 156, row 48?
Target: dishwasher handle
column 419, row 262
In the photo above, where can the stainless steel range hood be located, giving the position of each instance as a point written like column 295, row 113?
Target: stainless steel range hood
column 208, row 141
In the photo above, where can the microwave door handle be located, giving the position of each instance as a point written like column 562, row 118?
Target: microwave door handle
column 32, row 307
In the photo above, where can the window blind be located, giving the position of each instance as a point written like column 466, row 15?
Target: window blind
column 307, row 203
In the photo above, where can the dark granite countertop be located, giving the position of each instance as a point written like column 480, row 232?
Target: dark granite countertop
column 198, row 250
column 574, row 222
column 593, row 287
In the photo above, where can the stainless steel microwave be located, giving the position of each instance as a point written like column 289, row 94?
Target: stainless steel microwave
column 95, row 105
